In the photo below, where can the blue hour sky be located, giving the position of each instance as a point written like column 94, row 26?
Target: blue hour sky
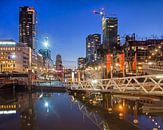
column 68, row 22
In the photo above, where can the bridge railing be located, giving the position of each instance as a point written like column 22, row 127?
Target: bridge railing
column 149, row 84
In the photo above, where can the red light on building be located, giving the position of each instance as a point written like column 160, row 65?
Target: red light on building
column 134, row 65
column 108, row 62
column 121, row 61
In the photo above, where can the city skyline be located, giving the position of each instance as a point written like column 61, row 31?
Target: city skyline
column 51, row 22
column 81, row 64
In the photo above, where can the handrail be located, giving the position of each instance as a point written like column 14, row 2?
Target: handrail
column 148, row 84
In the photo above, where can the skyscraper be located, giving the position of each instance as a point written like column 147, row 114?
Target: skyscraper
column 81, row 62
column 27, row 26
column 93, row 42
column 46, row 53
column 58, row 61
column 110, row 33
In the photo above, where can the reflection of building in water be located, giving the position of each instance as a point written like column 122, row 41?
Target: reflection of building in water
column 27, row 113
column 118, row 109
column 107, row 102
column 23, row 104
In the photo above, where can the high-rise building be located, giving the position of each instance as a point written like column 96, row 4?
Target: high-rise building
column 110, row 33
column 92, row 44
column 27, row 26
column 58, row 62
column 81, row 62
column 46, row 53
column 59, row 67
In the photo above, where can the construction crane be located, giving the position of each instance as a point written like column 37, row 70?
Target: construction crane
column 102, row 13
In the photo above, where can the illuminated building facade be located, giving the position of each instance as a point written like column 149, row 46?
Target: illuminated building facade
column 138, row 52
column 37, row 59
column 27, row 26
column 81, row 62
column 8, row 56
column 93, row 42
column 14, row 57
column 110, row 33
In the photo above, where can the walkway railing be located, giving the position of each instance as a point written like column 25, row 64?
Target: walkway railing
column 148, row 84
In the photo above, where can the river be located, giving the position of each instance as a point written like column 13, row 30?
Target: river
column 79, row 111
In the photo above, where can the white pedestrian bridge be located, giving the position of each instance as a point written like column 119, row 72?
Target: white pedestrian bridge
column 143, row 85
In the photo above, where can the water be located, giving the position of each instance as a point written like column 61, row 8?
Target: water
column 87, row 111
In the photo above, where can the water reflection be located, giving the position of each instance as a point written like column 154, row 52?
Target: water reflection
column 41, row 111
column 132, row 112
column 82, row 111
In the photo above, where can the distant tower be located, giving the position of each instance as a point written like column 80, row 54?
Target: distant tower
column 58, row 62
column 93, row 42
column 27, row 26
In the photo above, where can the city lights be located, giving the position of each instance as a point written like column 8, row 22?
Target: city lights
column 46, row 42
column 78, row 70
column 159, row 76
column 13, row 56
column 94, row 81
column 46, row 104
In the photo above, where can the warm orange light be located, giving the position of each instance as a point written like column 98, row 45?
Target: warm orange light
column 120, row 107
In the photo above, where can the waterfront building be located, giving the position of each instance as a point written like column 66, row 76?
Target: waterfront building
column 93, row 42
column 14, row 57
column 140, row 52
column 27, row 26
column 8, row 60
column 37, row 61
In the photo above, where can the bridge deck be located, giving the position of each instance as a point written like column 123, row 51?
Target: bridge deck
column 141, row 85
